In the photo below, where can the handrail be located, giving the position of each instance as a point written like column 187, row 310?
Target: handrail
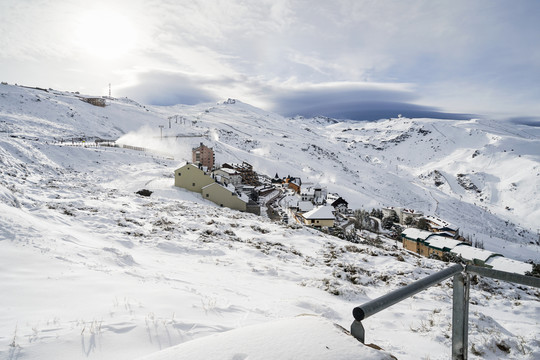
column 460, row 300
column 503, row 275
column 374, row 306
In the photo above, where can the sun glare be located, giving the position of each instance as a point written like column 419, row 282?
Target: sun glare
column 105, row 34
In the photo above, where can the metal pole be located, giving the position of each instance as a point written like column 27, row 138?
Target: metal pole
column 381, row 303
column 504, row 276
column 460, row 317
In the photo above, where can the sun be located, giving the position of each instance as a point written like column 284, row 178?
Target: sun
column 105, row 34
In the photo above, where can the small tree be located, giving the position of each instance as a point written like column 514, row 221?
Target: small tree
column 422, row 224
column 535, row 270
column 387, row 223
column 377, row 213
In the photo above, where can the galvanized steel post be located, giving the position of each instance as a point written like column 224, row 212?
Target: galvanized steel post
column 460, row 317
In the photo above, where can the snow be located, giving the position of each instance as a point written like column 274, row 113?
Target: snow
column 415, row 234
column 504, row 264
column 439, row 222
column 321, row 212
column 441, row 242
column 468, row 252
column 303, row 337
column 91, row 270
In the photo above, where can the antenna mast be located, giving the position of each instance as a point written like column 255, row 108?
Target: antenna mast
column 109, row 89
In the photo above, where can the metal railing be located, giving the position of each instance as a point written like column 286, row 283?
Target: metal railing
column 460, row 300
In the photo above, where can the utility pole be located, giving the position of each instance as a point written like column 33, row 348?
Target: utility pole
column 161, row 129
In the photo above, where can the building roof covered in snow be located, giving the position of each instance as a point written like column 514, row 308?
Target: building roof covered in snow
column 439, row 223
column 305, row 206
column 321, row 212
column 442, row 243
column 416, row 234
column 470, row 253
column 509, row 265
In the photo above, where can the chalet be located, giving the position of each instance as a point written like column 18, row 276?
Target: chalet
column 276, row 181
column 294, row 183
column 340, row 205
column 319, row 217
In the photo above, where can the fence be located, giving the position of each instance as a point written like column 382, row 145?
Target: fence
column 460, row 300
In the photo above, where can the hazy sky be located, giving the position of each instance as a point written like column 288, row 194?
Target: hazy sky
column 341, row 58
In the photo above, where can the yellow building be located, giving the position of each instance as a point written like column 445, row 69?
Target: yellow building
column 319, row 217
column 415, row 240
column 223, row 197
column 192, row 178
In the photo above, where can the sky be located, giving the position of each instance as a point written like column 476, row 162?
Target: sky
column 355, row 59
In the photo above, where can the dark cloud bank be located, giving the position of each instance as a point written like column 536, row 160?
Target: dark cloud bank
column 339, row 101
column 356, row 103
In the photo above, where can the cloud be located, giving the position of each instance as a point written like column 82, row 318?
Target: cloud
column 169, row 88
column 355, row 101
column 340, row 100
column 292, row 57
column 526, row 120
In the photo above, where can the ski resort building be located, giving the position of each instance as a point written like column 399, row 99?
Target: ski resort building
column 440, row 226
column 193, row 178
column 415, row 240
column 322, row 216
column 225, row 196
column 227, row 176
column 249, row 177
column 431, row 244
column 203, row 155
column 401, row 213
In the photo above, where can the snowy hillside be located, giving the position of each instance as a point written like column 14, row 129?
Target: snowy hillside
column 90, row 269
column 480, row 175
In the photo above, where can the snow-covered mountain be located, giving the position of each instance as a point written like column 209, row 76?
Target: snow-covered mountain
column 90, row 269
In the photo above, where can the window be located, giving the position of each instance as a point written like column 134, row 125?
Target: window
column 179, row 174
column 207, row 195
column 193, row 184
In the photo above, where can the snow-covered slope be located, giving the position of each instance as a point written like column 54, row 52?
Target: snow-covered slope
column 90, row 269
column 481, row 175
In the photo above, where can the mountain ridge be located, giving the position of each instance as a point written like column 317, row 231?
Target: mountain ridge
column 485, row 169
